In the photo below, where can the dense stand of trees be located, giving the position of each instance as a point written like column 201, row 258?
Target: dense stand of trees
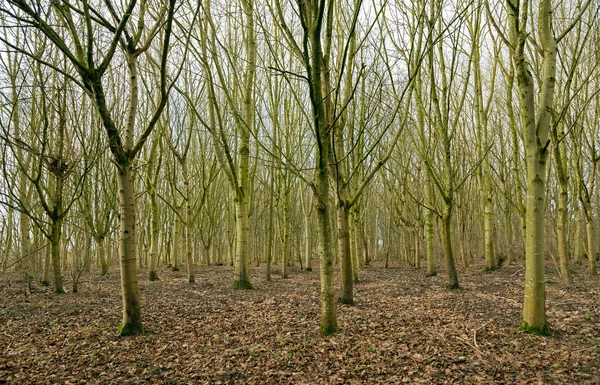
column 448, row 133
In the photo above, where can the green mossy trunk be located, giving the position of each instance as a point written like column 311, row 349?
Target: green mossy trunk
column 132, row 320
column 188, row 223
column 56, row 255
column 241, row 279
column 343, row 248
column 101, row 251
column 448, row 252
column 47, row 260
column 285, row 247
column 535, row 125
column 562, row 243
column 578, row 241
column 591, row 248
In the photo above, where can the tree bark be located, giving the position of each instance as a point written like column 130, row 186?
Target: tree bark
column 347, row 279
column 132, row 320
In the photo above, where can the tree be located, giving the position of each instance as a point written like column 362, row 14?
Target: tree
column 83, row 47
column 535, row 123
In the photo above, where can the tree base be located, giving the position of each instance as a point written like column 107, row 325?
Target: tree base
column 308, row 269
column 130, row 330
column 536, row 330
column 174, row 269
column 489, row 269
column 431, row 274
column 453, row 286
column 192, row 280
column 59, row 290
column 346, row 301
column 153, row 276
column 326, row 331
column 242, row 285
column 45, row 283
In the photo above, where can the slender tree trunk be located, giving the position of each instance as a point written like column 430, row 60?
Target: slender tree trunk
column 102, row 256
column 484, row 174
column 285, row 242
column 188, row 223
column 365, row 239
column 591, row 246
column 447, row 245
column 175, row 247
column 47, row 260
column 132, row 320
column 578, row 240
column 417, row 248
column 353, row 244
column 270, row 228
column 561, row 233
column 87, row 252
column 307, row 243
column 347, row 279
column 241, row 280
column 9, row 239
column 56, row 229
column 516, row 155
column 328, row 316
column 153, row 276
column 427, row 183
column 536, row 140
column 463, row 245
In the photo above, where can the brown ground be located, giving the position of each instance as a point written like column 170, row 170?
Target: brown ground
column 405, row 328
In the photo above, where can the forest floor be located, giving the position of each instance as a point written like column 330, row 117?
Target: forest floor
column 404, row 328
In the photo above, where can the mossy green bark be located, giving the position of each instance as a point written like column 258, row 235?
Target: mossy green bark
column 543, row 330
column 130, row 330
column 153, row 276
column 242, row 285
column 328, row 330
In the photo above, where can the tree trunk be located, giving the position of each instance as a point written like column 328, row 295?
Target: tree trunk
column 241, row 280
column 102, row 256
column 463, row 244
column 447, row 245
column 561, row 233
column 578, row 241
column 175, row 247
column 307, row 243
column 347, row 279
column 353, row 229
column 153, row 276
column 285, row 242
column 365, row 240
column 188, row 223
column 132, row 320
column 270, row 229
column 591, row 246
column 328, row 316
column 56, row 231
column 47, row 260
column 417, row 249
column 535, row 137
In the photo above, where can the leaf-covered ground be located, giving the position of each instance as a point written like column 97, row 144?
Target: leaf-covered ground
column 404, row 328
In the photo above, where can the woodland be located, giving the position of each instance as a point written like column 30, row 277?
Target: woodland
column 299, row 191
